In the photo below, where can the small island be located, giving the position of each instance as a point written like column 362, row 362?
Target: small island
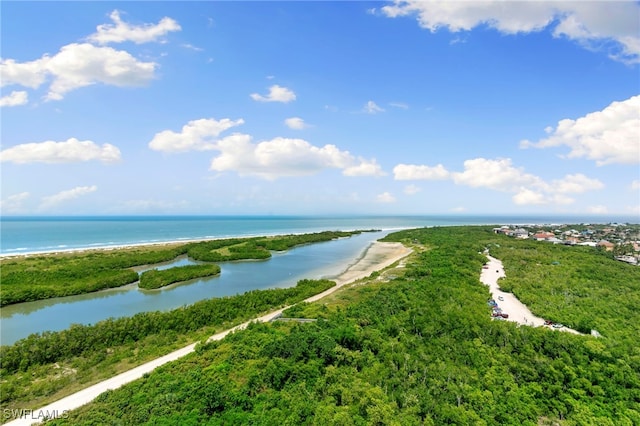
column 155, row 278
column 48, row 275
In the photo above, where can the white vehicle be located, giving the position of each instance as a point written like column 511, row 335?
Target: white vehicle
column 500, row 298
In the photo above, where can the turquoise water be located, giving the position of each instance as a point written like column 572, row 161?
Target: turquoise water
column 284, row 269
column 21, row 235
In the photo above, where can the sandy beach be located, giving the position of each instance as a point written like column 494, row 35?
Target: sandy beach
column 518, row 312
column 378, row 256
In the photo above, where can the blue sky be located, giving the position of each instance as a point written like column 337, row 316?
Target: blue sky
column 320, row 108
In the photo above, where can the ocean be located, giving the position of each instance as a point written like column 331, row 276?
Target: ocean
column 321, row 260
column 22, row 235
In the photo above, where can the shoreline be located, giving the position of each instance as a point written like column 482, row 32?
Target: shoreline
column 167, row 243
column 377, row 256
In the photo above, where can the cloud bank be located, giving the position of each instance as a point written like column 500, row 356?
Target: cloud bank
column 78, row 65
column 69, row 151
column 501, row 175
column 270, row 159
column 595, row 25
column 609, row 136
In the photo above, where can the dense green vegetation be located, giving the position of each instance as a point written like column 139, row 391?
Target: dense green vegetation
column 30, row 278
column 582, row 287
column 155, row 278
column 85, row 348
column 416, row 348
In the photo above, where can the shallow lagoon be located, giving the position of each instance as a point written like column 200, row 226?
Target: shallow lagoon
column 284, row 269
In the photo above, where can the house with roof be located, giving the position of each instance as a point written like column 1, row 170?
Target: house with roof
column 543, row 236
column 606, row 245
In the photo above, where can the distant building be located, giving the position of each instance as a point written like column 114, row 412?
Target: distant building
column 606, row 245
column 543, row 236
column 521, row 233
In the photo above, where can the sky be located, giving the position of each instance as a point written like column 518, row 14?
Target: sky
column 312, row 108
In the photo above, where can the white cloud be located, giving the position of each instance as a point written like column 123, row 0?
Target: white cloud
column 78, row 65
column 459, row 209
column 15, row 98
column 635, row 185
column 295, row 123
column 529, row 197
column 371, row 108
column 419, row 172
column 501, row 175
column 385, row 197
column 63, row 196
column 591, row 24
column 598, row 210
column 69, row 151
column 400, row 105
column 463, row 16
column 608, row 136
column 267, row 159
column 190, row 46
column 498, row 174
column 276, row 94
column 411, row 189
column 121, row 31
column 284, row 157
column 575, row 184
column 196, row 135
column 14, row 203
column 28, row 74
column 364, row 168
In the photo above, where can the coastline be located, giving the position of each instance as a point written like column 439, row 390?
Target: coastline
column 26, row 235
column 167, row 243
column 377, row 256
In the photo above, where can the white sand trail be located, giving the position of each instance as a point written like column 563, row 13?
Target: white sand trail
column 518, row 311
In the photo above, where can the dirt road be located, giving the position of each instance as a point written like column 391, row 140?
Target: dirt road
column 518, row 311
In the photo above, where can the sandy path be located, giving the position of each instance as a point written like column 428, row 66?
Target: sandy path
column 378, row 256
column 518, row 312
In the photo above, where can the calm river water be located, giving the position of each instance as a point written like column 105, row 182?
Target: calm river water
column 284, row 269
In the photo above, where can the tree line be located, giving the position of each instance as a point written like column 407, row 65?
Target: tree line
column 23, row 362
column 38, row 277
column 418, row 349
